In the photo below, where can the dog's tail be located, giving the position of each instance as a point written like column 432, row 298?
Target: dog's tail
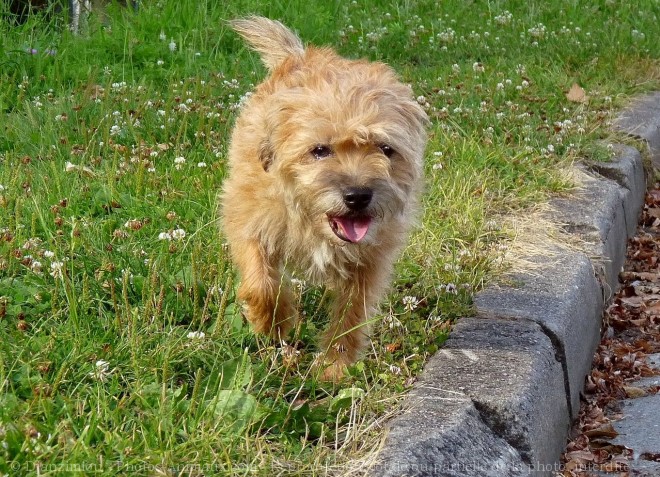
column 272, row 40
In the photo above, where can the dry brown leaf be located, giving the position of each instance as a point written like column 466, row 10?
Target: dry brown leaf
column 654, row 212
column 581, row 455
column 634, row 301
column 634, row 392
column 392, row 347
column 653, row 309
column 606, row 430
column 576, row 94
column 646, row 276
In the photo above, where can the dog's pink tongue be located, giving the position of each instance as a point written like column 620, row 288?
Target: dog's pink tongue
column 354, row 229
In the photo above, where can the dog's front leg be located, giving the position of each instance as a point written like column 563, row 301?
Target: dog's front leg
column 354, row 304
column 268, row 304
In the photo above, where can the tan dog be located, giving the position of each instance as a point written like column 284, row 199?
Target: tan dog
column 325, row 175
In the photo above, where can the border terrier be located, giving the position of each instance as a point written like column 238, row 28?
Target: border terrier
column 325, row 174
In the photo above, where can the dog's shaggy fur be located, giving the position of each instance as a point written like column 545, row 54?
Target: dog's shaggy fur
column 325, row 176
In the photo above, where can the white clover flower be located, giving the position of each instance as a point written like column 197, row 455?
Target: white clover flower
column 101, row 370
column 504, row 18
column 456, row 68
column 451, row 288
column 179, row 162
column 393, row 322
column 537, row 31
column 637, row 35
column 115, row 129
column 70, row 167
column 196, row 335
column 410, row 302
column 49, row 254
column 56, row 269
column 162, row 36
column 447, row 36
column 172, row 45
column 178, row 234
column 164, row 236
column 215, row 289
column 500, row 86
column 492, row 225
column 35, row 266
column 201, row 164
column 478, row 67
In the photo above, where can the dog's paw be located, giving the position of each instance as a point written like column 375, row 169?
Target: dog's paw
column 334, row 372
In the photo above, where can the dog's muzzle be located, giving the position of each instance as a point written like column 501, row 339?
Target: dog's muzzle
column 353, row 227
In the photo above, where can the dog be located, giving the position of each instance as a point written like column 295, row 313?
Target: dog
column 325, row 176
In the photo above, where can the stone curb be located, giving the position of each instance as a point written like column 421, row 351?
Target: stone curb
column 499, row 398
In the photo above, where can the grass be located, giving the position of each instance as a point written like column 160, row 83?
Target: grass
column 122, row 350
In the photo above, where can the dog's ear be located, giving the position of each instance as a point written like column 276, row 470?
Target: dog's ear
column 266, row 154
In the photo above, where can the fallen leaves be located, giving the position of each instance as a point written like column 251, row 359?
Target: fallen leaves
column 576, row 94
column 631, row 332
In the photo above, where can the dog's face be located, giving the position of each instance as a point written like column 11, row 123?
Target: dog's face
column 347, row 151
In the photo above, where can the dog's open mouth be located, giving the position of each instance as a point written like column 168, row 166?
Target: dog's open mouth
column 350, row 228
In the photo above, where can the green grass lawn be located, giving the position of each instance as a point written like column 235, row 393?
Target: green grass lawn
column 122, row 349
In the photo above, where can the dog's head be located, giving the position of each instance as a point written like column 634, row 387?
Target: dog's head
column 345, row 140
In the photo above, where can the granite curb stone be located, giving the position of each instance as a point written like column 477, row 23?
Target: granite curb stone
column 482, row 405
column 499, row 398
column 565, row 299
column 642, row 120
column 595, row 214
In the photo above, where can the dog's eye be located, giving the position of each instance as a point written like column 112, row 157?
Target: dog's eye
column 387, row 150
column 321, row 151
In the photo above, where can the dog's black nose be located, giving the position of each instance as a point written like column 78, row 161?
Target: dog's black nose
column 357, row 198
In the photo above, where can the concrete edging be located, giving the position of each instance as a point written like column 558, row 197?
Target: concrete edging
column 499, row 397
